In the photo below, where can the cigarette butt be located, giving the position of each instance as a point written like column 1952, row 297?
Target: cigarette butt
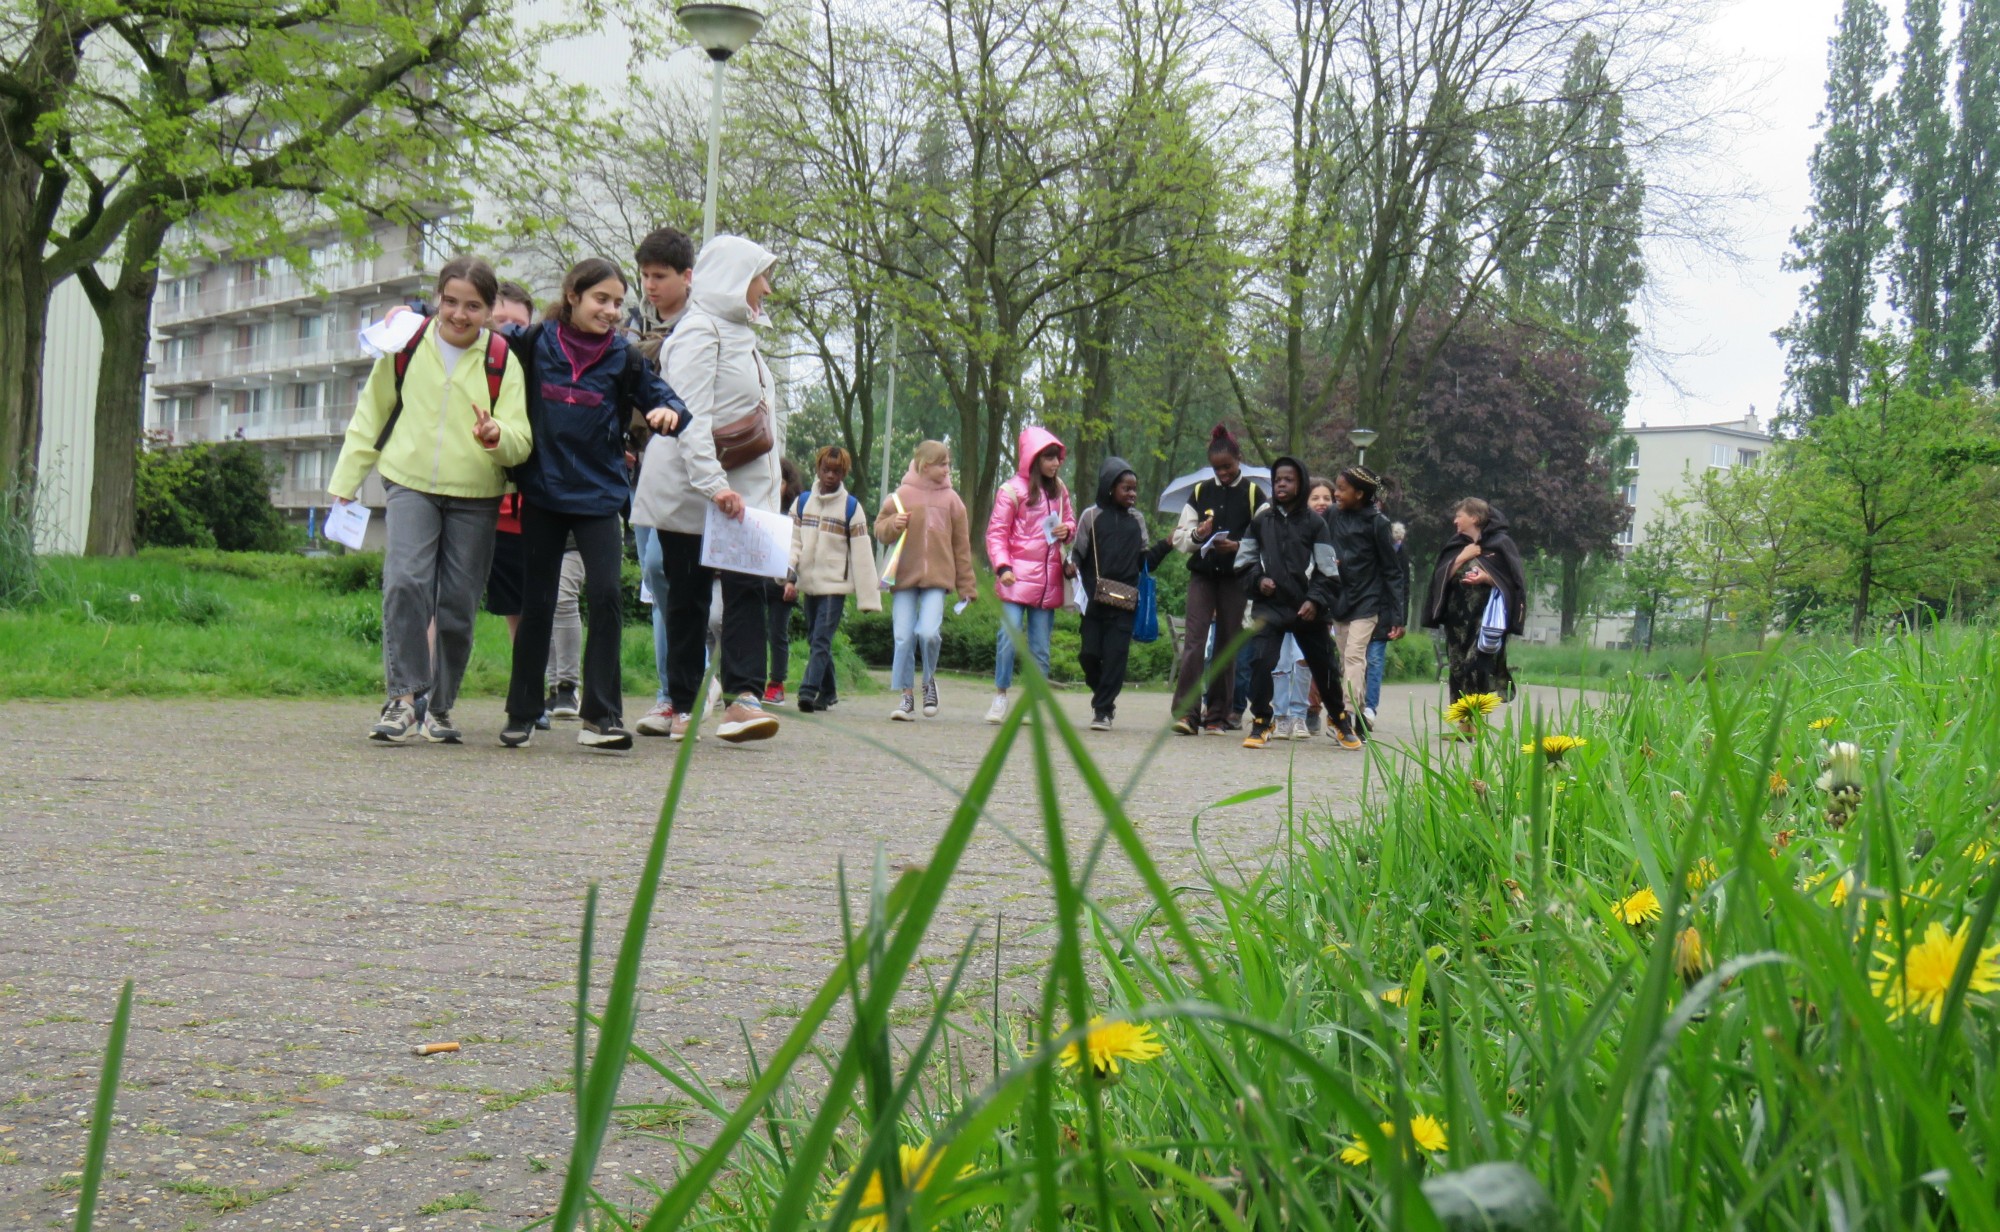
column 424, row 1050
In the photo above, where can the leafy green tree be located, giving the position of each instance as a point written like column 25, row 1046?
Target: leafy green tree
column 1972, row 278
column 1755, row 520
column 1895, row 488
column 1841, row 245
column 1652, row 573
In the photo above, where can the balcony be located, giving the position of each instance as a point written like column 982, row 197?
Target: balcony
column 300, row 494
column 307, row 423
column 282, row 286
column 240, row 363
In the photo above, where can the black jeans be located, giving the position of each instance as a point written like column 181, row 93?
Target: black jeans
column 823, row 613
column 779, row 616
column 1107, row 643
column 1316, row 645
column 600, row 539
column 689, row 587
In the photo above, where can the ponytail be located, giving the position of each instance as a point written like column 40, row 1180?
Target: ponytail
column 1221, row 441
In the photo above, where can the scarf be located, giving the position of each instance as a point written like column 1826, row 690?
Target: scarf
column 580, row 349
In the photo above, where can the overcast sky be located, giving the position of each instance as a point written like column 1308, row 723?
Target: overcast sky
column 1719, row 322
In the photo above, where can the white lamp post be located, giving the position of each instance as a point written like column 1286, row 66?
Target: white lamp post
column 721, row 30
column 1362, row 438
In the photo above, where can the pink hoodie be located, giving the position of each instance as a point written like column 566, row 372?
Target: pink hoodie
column 1014, row 534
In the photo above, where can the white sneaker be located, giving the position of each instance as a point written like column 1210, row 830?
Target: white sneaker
column 1300, row 731
column 1368, row 713
column 997, row 712
column 659, row 721
column 906, row 710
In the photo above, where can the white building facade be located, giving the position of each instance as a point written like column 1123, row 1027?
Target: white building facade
column 1666, row 457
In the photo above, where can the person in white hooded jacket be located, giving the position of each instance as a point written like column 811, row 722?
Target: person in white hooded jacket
column 713, row 361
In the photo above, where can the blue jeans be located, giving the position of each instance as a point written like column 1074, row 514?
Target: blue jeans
column 1041, row 623
column 653, row 565
column 823, row 613
column 1291, row 684
column 1378, row 663
column 916, row 615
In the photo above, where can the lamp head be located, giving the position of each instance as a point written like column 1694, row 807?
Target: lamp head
column 1362, row 437
column 720, row 29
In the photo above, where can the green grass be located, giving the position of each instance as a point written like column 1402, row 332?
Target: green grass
column 1622, row 974
column 452, row 1202
column 233, row 625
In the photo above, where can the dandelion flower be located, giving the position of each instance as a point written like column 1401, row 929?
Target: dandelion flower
column 1840, row 767
column 1780, row 785
column 1392, row 996
column 1978, row 850
column 1701, row 875
column 1641, row 907
column 1926, row 971
column 1824, row 723
column 1426, row 1131
column 1691, row 956
column 919, row 1163
column 1845, row 885
column 1471, row 707
column 1108, row 1043
column 1553, row 747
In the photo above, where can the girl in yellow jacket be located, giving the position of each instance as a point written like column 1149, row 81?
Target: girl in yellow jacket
column 441, row 421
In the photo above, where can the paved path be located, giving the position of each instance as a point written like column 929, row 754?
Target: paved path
column 299, row 907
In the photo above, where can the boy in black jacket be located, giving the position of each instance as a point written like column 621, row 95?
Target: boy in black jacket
column 1111, row 543
column 1288, row 559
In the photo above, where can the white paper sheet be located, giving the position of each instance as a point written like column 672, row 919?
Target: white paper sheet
column 1079, row 594
column 759, row 545
column 959, row 607
column 1051, row 525
column 390, row 336
column 347, row 524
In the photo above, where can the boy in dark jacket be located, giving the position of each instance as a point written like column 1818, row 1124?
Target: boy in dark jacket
column 1288, row 559
column 1374, row 592
column 1110, row 543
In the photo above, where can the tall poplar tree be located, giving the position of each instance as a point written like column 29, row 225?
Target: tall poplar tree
column 1841, row 246
column 1966, row 344
column 1920, row 159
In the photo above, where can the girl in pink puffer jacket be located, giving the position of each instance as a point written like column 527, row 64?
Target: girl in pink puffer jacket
column 1025, row 539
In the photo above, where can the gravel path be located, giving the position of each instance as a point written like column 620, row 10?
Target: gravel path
column 299, row 906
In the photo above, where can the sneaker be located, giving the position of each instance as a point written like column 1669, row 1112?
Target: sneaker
column 1214, row 729
column 1342, row 729
column 1186, row 726
column 439, row 729
column 1260, row 734
column 825, row 703
column 745, row 720
column 1281, row 728
column 1300, row 731
column 997, row 712
column 659, row 721
column 1101, row 723
column 806, row 702
column 562, row 702
column 930, row 699
column 682, row 723
column 517, row 733
column 1234, row 722
column 393, row 727
column 1368, row 715
column 1312, row 722
column 906, row 710
column 542, row 721
column 605, row 734
column 774, row 693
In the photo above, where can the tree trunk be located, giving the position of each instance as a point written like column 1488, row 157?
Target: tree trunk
column 123, row 313
column 24, row 320
column 1863, row 585
column 1572, row 592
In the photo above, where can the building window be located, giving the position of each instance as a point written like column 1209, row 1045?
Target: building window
column 1747, row 457
column 1719, row 455
column 311, row 327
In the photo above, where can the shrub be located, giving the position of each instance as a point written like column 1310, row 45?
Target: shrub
column 210, row 495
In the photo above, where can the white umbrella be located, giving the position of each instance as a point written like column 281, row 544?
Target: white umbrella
column 1175, row 498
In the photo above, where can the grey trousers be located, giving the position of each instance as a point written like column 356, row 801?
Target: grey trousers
column 566, row 639
column 439, row 552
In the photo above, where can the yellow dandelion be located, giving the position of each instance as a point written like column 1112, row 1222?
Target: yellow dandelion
column 1471, row 707
column 1843, row 886
column 1927, row 969
column 1426, row 1131
column 1824, row 723
column 1108, row 1043
column 1701, row 875
column 1392, row 996
column 1691, row 956
column 1978, row 851
column 1780, row 785
column 919, row 1163
column 1553, row 747
column 1641, row 907
column 1923, row 894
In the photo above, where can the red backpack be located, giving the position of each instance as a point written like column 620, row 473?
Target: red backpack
column 496, row 368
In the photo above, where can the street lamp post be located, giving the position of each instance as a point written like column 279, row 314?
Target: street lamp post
column 721, row 30
column 1362, row 438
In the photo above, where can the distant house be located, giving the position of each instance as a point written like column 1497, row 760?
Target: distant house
column 1666, row 456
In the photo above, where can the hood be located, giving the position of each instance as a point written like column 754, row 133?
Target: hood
column 1298, row 501
column 1034, row 439
column 916, row 479
column 722, row 275
column 1108, row 475
column 1496, row 522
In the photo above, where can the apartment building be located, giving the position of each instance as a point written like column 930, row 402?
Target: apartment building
column 249, row 349
column 1664, row 457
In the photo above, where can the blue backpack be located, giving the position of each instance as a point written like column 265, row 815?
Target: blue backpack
column 853, row 506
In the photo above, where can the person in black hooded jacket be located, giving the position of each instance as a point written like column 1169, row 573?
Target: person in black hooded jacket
column 1373, row 590
column 1110, row 543
column 1479, row 557
column 1288, row 559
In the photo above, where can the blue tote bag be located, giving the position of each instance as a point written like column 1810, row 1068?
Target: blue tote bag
column 1146, row 618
